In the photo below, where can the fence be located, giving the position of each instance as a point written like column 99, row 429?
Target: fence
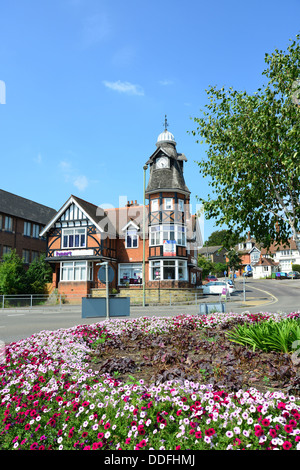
column 36, row 300
column 61, row 300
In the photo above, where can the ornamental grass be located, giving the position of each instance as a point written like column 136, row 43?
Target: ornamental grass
column 52, row 399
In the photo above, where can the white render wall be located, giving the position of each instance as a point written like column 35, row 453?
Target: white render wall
column 259, row 272
column 286, row 259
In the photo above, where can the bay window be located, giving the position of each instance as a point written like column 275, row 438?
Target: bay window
column 167, row 269
column 160, row 233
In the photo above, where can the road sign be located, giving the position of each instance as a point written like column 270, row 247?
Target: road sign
column 102, row 274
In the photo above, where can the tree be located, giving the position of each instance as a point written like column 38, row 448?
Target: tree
column 253, row 156
column 206, row 265
column 38, row 274
column 12, row 274
column 219, row 268
column 234, row 260
column 223, row 238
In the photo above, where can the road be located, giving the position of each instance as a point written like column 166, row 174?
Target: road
column 261, row 295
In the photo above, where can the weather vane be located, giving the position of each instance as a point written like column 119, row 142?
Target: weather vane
column 166, row 122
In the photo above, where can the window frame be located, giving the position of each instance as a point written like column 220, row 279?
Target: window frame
column 157, row 237
column 166, row 200
column 132, row 268
column 81, row 230
column 163, row 265
column 73, row 267
column 155, row 205
column 8, row 223
column 181, row 205
column 27, row 229
column 133, row 238
column 35, row 231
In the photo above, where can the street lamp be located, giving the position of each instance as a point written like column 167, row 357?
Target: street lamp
column 144, row 224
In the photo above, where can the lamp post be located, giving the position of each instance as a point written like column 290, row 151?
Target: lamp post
column 144, row 230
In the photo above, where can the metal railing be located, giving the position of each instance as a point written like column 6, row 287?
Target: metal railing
column 62, row 300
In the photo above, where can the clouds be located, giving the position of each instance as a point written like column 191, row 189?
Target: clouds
column 71, row 175
column 124, row 87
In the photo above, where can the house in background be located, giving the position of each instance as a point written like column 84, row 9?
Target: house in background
column 285, row 255
column 249, row 252
column 265, row 267
column 216, row 254
column 21, row 221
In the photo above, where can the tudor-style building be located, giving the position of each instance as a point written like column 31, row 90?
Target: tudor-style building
column 81, row 235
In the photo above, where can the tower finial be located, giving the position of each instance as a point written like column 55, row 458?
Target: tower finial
column 166, row 122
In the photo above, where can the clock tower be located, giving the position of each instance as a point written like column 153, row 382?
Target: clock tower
column 169, row 199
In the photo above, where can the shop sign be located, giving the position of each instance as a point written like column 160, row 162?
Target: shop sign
column 71, row 253
column 169, row 247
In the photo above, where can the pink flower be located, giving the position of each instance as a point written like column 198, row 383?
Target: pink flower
column 288, row 428
column 287, row 445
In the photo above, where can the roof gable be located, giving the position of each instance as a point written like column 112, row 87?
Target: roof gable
column 74, row 209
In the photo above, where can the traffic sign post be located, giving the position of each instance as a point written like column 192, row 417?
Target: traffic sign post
column 106, row 274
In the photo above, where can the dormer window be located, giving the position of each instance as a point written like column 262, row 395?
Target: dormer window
column 131, row 238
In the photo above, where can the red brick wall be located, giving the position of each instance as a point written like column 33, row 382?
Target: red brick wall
column 16, row 240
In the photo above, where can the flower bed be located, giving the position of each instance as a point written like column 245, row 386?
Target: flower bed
column 53, row 397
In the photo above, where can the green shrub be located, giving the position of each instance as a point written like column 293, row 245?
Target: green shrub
column 296, row 267
column 267, row 336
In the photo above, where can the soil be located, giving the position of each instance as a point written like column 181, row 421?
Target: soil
column 205, row 356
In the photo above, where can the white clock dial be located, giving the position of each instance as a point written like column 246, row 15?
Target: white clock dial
column 162, row 162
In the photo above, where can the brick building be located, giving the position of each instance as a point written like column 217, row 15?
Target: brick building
column 81, row 235
column 21, row 221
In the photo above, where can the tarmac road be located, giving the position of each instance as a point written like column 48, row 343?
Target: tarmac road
column 261, row 295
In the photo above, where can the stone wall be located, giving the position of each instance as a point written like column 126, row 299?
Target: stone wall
column 154, row 296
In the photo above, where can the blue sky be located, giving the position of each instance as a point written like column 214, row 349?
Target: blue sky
column 88, row 83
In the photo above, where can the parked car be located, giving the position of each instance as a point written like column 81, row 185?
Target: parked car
column 281, row 275
column 211, row 278
column 294, row 275
column 248, row 273
column 217, row 287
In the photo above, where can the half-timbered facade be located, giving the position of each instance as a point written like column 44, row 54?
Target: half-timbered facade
column 82, row 235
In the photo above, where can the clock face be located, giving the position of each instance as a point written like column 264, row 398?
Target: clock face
column 162, row 162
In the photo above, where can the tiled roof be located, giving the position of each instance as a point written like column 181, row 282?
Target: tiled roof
column 266, row 262
column 291, row 245
column 18, row 206
column 210, row 249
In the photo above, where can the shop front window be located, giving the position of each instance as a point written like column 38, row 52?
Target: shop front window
column 169, row 271
column 155, row 275
column 130, row 273
column 165, row 270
